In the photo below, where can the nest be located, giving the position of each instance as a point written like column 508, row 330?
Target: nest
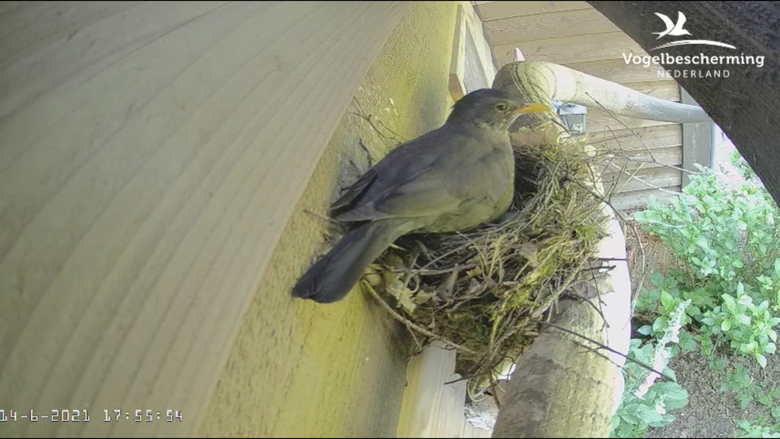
column 485, row 292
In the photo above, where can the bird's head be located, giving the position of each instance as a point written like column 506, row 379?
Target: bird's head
column 490, row 108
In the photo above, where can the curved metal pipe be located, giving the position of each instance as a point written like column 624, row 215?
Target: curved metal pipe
column 569, row 85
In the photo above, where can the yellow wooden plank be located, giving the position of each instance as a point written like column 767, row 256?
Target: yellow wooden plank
column 150, row 164
column 503, row 9
column 662, row 136
column 458, row 61
column 430, row 408
column 567, row 50
column 554, row 25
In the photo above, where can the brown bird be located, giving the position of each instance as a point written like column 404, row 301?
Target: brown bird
column 451, row 179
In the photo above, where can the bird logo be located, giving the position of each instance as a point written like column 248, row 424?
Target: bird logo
column 676, row 30
column 673, row 29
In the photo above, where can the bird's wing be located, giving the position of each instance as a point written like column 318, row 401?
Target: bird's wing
column 678, row 27
column 408, row 182
column 668, row 22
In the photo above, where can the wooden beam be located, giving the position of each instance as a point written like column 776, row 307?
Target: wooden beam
column 616, row 70
column 697, row 142
column 431, row 408
column 745, row 104
column 500, row 10
column 150, row 161
column 552, row 25
column 584, row 48
column 458, row 62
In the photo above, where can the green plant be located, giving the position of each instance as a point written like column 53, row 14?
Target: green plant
column 645, row 402
column 759, row 429
column 727, row 237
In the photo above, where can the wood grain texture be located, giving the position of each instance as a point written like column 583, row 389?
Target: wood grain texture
column 630, row 201
column 616, row 70
column 431, row 408
column 566, row 50
column 549, row 25
column 656, row 177
column 661, row 136
column 299, row 369
column 150, row 161
column 599, row 121
column 500, row 10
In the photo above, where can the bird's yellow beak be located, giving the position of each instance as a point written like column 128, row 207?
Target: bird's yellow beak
column 533, row 108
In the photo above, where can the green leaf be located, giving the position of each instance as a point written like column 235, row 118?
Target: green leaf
column 773, row 335
column 773, row 321
column 657, row 279
column 637, row 414
column 765, row 400
column 742, row 318
column 740, row 289
column 770, row 348
column 761, row 360
column 737, row 263
column 661, row 323
column 729, row 301
column 743, row 424
column 667, row 301
column 725, row 326
column 674, row 396
column 702, row 242
column 776, row 413
column 645, row 330
column 777, row 265
column 709, row 321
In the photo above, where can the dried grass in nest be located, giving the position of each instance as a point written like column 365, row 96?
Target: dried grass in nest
column 484, row 292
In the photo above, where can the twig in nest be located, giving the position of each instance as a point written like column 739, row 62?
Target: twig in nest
column 325, row 218
column 633, row 228
column 411, row 325
column 607, row 348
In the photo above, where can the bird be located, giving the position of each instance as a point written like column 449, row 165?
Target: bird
column 453, row 178
column 673, row 29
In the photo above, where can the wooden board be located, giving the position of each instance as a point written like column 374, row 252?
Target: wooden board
column 576, row 49
column 697, row 142
column 505, row 9
column 555, row 25
column 430, row 408
column 151, row 161
column 599, row 120
column 657, row 177
column 630, row 201
column 616, row 70
column 663, row 156
column 662, row 136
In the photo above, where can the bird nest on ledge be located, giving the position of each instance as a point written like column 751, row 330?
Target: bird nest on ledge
column 483, row 293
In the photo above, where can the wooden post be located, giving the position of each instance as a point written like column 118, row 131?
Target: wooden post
column 697, row 142
column 151, row 156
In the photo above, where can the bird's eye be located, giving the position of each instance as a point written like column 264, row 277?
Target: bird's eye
column 502, row 107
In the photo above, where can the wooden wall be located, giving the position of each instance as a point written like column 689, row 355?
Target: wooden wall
column 573, row 34
column 152, row 158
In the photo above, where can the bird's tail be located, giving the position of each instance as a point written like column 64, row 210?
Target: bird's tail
column 332, row 277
